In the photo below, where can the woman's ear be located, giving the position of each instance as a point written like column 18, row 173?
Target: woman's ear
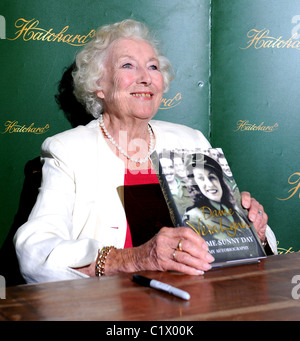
column 100, row 94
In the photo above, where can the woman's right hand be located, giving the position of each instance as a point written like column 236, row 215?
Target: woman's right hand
column 161, row 253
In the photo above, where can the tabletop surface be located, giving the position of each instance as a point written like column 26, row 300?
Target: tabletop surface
column 268, row 290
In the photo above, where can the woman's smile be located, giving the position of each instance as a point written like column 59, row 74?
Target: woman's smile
column 142, row 95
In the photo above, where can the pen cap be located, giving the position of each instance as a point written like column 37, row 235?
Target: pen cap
column 141, row 280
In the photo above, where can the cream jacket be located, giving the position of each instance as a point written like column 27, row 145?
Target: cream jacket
column 78, row 209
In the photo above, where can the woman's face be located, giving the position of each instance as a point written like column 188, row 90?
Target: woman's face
column 132, row 85
column 208, row 183
column 168, row 169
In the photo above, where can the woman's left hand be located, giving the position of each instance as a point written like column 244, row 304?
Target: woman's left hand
column 256, row 214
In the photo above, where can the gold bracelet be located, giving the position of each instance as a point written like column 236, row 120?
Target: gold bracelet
column 100, row 262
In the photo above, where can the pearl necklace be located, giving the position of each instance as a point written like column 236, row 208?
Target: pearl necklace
column 121, row 150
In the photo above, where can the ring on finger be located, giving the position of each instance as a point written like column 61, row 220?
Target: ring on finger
column 179, row 246
column 260, row 212
column 174, row 256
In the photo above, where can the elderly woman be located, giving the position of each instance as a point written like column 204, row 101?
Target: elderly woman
column 78, row 227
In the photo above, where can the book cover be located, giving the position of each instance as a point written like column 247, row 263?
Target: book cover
column 201, row 193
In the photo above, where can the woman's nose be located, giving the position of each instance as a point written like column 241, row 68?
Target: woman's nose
column 144, row 76
column 208, row 183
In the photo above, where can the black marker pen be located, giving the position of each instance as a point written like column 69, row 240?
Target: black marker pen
column 148, row 282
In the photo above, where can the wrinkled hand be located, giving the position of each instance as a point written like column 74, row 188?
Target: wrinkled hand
column 256, row 214
column 161, row 252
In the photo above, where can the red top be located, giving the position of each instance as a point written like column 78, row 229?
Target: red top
column 137, row 179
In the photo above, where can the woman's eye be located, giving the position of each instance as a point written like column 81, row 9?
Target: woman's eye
column 153, row 67
column 127, row 66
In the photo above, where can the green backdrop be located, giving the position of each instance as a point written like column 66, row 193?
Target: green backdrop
column 255, row 104
column 232, row 92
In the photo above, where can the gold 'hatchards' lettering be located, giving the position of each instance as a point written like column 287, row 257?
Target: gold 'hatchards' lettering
column 169, row 103
column 30, row 30
column 283, row 250
column 11, row 127
column 293, row 180
column 244, row 125
column 261, row 39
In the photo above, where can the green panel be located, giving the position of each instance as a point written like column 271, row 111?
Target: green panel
column 258, row 84
column 31, row 70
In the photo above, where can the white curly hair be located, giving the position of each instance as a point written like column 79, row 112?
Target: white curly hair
column 90, row 61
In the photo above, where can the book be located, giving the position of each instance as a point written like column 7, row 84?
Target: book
column 201, row 193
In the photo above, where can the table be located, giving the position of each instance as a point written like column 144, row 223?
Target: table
column 260, row 291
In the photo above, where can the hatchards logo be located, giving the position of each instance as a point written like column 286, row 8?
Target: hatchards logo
column 31, row 30
column 11, row 127
column 262, row 38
